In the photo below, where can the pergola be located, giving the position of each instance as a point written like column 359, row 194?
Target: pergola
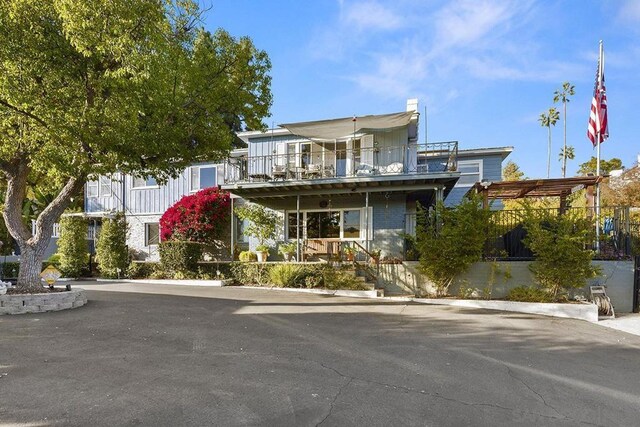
column 554, row 187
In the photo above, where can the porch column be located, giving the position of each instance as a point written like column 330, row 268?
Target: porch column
column 439, row 194
column 298, row 225
column 232, row 231
column 366, row 220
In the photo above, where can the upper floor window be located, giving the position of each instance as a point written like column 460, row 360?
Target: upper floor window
column 142, row 182
column 105, row 186
column 92, row 188
column 202, row 177
column 470, row 172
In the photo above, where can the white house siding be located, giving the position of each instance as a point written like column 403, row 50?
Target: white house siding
column 136, row 237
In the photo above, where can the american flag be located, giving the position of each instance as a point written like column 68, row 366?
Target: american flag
column 598, row 129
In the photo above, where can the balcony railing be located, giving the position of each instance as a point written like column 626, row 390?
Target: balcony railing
column 329, row 163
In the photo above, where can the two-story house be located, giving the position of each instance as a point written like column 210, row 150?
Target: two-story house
column 351, row 181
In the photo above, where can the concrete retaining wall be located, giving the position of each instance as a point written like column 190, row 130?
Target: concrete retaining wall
column 40, row 303
column 496, row 279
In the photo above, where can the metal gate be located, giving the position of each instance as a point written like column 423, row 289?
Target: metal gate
column 636, row 285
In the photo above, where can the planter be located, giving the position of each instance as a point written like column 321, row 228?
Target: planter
column 262, row 256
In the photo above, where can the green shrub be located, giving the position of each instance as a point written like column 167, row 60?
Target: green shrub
column 11, row 269
column 287, row 275
column 337, row 279
column 559, row 243
column 529, row 294
column 53, row 260
column 449, row 240
column 247, row 256
column 142, row 270
column 112, row 253
column 180, row 255
column 72, row 246
column 251, row 273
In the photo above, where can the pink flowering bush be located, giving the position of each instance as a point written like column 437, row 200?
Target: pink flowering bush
column 200, row 217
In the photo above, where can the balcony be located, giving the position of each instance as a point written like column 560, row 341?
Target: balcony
column 317, row 161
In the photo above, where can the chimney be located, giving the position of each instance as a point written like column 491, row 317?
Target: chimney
column 412, row 105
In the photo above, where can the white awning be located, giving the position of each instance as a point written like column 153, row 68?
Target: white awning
column 331, row 130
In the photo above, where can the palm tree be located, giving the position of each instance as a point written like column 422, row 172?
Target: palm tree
column 567, row 152
column 563, row 95
column 548, row 120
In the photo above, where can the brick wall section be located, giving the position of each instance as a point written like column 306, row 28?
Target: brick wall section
column 40, row 303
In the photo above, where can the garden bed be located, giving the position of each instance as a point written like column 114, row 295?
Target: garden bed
column 42, row 302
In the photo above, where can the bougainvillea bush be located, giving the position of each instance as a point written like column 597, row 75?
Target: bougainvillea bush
column 200, row 217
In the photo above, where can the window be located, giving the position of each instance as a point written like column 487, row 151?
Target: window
column 323, row 225
column 202, row 177
column 351, row 224
column 470, row 172
column 292, row 225
column 105, row 186
column 142, row 182
column 151, row 234
column 92, row 189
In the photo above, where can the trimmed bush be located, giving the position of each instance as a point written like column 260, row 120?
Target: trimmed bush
column 180, row 255
column 529, row 294
column 247, row 256
column 311, row 276
column 112, row 253
column 142, row 270
column 72, row 246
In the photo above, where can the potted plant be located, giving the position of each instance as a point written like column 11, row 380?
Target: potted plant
column 349, row 253
column 288, row 250
column 375, row 255
column 263, row 252
column 264, row 225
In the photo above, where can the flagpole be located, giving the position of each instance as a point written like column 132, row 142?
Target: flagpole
column 599, row 142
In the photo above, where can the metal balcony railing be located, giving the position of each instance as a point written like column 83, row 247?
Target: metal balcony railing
column 327, row 163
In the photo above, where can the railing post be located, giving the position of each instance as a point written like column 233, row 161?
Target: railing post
column 636, row 284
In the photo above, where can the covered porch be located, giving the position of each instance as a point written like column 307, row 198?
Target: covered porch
column 367, row 215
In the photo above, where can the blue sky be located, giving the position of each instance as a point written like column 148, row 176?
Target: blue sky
column 485, row 69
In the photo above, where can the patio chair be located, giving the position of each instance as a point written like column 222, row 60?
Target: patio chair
column 279, row 172
column 313, row 170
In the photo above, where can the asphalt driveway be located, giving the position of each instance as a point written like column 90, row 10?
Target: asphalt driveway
column 171, row 355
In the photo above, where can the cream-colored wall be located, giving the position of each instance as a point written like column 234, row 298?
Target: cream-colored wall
column 406, row 277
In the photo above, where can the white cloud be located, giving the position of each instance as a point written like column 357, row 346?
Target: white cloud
column 469, row 21
column 369, row 15
column 630, row 11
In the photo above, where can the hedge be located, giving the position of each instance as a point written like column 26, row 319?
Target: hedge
column 180, row 256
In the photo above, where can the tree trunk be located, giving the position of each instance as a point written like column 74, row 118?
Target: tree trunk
column 32, row 246
column 564, row 152
column 549, row 154
column 30, row 266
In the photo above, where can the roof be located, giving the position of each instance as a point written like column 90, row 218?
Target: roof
column 555, row 187
column 469, row 152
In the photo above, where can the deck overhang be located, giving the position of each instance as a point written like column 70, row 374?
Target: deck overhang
column 401, row 183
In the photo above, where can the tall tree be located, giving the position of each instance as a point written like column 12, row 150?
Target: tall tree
column 547, row 120
column 567, row 152
column 92, row 87
column 512, row 172
column 562, row 95
column 606, row 166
